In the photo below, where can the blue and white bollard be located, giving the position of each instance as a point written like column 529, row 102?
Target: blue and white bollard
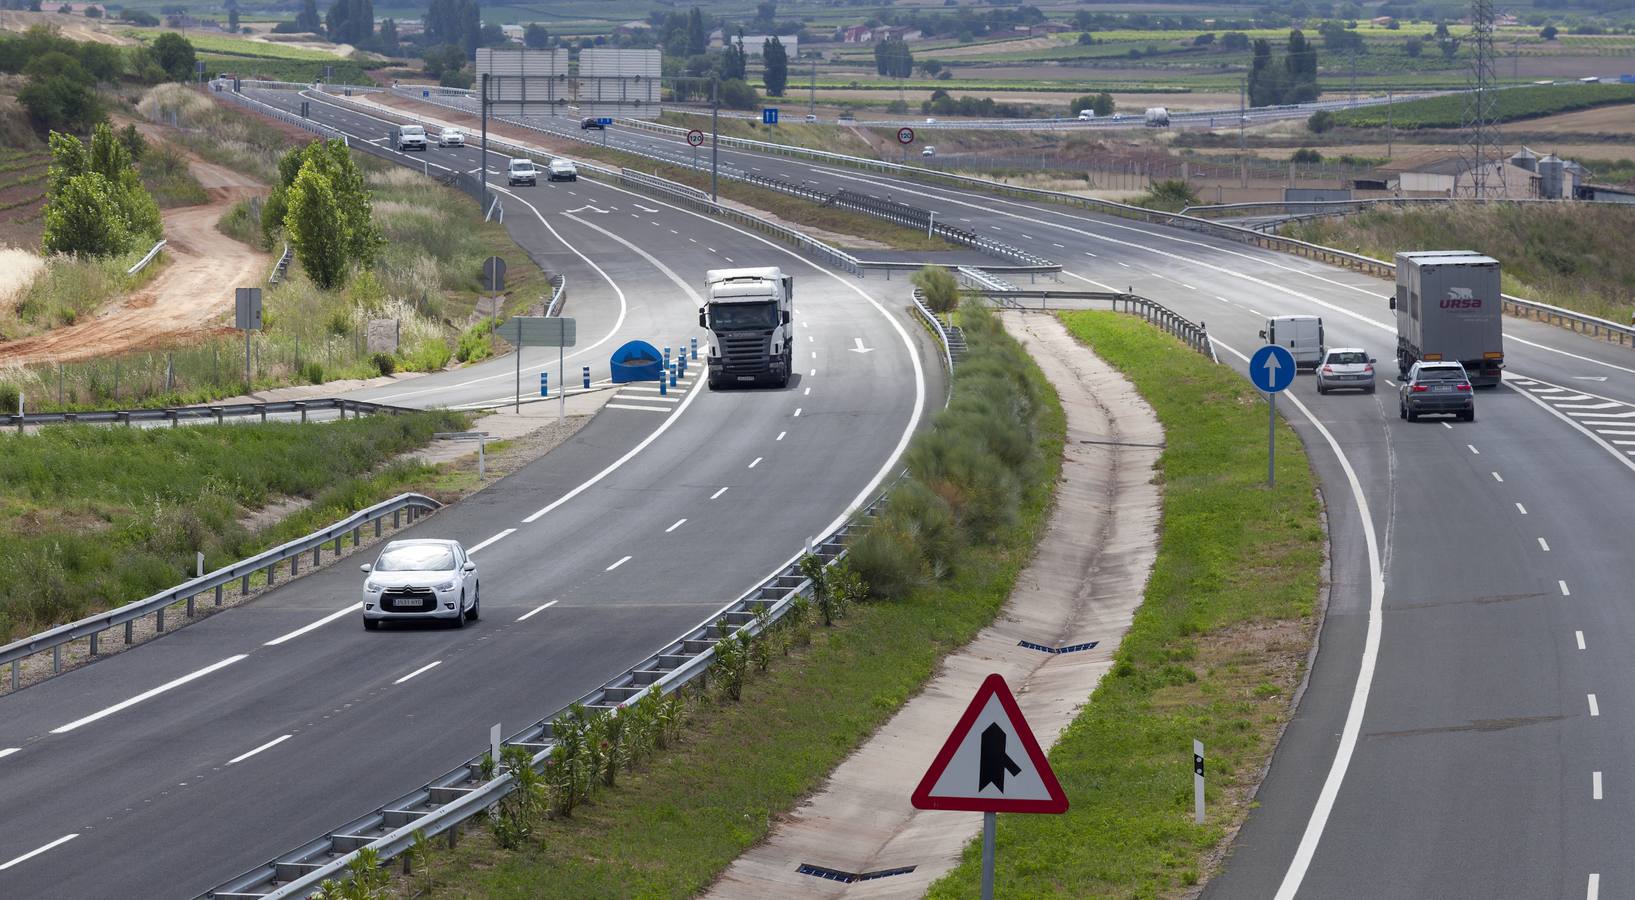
column 587, row 378
column 662, row 389
column 672, row 374
column 544, row 384
column 681, row 362
column 695, row 348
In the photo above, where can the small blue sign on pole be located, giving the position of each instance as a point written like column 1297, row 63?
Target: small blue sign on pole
column 769, row 115
column 425, row 92
column 1272, row 370
column 544, row 384
column 604, row 121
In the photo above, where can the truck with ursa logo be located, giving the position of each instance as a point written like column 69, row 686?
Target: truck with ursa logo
column 1448, row 309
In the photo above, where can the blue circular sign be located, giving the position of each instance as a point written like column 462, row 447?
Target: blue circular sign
column 1272, row 368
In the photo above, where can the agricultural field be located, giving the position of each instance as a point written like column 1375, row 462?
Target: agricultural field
column 22, row 195
column 1513, row 105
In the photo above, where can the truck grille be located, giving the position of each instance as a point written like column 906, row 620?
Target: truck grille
column 419, row 600
column 744, row 352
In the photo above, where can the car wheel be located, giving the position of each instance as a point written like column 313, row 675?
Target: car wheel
column 1369, row 389
column 1402, row 411
column 460, row 613
column 1469, row 415
column 1413, row 416
column 476, row 610
column 1320, row 389
column 371, row 624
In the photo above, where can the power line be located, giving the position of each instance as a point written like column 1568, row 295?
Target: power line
column 1480, row 153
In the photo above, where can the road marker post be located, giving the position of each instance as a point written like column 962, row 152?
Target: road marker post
column 695, row 342
column 544, row 384
column 1198, row 782
column 494, row 744
column 672, row 374
column 1271, row 370
column 975, row 772
column 587, row 378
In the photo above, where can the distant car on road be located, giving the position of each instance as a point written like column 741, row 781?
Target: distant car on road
column 590, row 122
column 425, row 580
column 1345, row 367
column 930, row 121
column 451, row 137
column 561, row 170
column 929, row 151
column 521, row 171
column 845, row 117
column 409, row 137
column 810, row 118
column 1086, row 115
column 1436, row 387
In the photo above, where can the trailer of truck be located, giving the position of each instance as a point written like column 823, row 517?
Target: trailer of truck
column 1448, row 308
column 750, row 316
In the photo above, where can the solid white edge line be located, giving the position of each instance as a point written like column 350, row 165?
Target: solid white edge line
column 267, row 746
column 1365, row 670
column 37, row 851
column 148, row 694
column 315, row 625
column 679, row 522
column 536, row 611
column 425, row 668
column 1594, row 890
column 617, row 564
column 502, row 535
column 7, row 751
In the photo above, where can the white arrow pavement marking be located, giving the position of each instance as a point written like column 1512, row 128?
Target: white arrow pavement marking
column 1589, row 378
column 859, row 348
column 593, row 209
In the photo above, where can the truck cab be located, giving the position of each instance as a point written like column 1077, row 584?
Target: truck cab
column 749, row 313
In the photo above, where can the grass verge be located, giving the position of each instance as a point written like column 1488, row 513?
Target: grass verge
column 669, row 828
column 1214, row 651
column 1570, row 255
column 83, row 526
column 71, row 287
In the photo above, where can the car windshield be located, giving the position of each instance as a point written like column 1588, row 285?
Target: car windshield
column 521, row 164
column 1347, row 359
column 1441, row 375
column 743, row 316
column 416, row 558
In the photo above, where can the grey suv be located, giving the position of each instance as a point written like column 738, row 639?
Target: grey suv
column 1436, row 387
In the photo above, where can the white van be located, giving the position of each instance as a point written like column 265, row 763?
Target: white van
column 1302, row 336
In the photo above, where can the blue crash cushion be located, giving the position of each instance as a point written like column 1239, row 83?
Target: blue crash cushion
column 637, row 361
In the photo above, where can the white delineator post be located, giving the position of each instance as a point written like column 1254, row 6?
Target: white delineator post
column 1198, row 780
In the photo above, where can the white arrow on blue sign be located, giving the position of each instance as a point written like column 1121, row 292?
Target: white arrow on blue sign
column 769, row 115
column 1272, row 368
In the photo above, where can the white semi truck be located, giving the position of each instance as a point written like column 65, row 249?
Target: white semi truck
column 1448, row 309
column 750, row 316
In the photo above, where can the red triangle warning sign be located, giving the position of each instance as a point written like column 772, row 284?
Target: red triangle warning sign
column 991, row 762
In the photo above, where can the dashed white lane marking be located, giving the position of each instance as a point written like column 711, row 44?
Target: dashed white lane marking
column 7, row 751
column 314, row 626
column 36, row 852
column 797, row 412
column 718, row 493
column 501, row 536
column 1473, row 448
column 423, row 669
column 673, row 231
column 1595, row 708
column 807, row 393
column 756, row 462
column 1254, row 311
column 711, row 249
column 149, row 694
column 1057, row 246
column 1091, row 255
column 1188, row 286
column 1595, row 785
column 727, row 258
column 1543, row 546
column 1580, row 636
column 812, row 374
column 621, row 562
column 778, row 438
column 679, row 522
column 1124, row 264
column 1394, row 384
column 536, row 611
column 1564, row 591
column 1446, row 425
column 1594, row 891
column 810, row 339
column 814, row 354
column 662, row 409
column 1027, row 237
column 267, row 746
column 1521, row 509
column 1497, row 477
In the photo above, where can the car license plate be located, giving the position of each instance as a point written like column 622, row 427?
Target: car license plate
column 410, row 601
column 1440, row 388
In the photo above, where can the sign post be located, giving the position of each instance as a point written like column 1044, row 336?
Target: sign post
column 247, row 318
column 540, row 331
column 1272, row 371
column 696, row 139
column 976, row 772
column 1198, row 781
column 905, row 136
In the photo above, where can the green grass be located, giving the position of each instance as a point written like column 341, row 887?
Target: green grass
column 671, row 827
column 94, row 517
column 1512, row 105
column 1212, row 654
column 70, row 288
column 1574, row 255
column 166, row 175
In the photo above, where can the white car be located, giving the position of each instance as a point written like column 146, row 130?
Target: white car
column 929, row 151
column 451, row 137
column 810, row 118
column 561, row 170
column 421, row 580
column 521, row 171
column 1345, row 367
column 929, row 120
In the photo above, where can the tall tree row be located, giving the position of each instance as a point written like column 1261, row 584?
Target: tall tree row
column 351, row 21
column 1291, row 79
column 775, row 62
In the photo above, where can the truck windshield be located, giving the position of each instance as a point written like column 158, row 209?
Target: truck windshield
column 743, row 316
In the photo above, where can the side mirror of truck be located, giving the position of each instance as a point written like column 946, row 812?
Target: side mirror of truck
column 1263, row 334
column 1393, row 302
column 701, row 319
column 786, row 317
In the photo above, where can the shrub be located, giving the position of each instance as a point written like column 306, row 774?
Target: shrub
column 940, row 288
column 1320, row 121
column 1306, row 155
column 476, row 343
column 1171, row 194
column 885, row 555
column 385, row 363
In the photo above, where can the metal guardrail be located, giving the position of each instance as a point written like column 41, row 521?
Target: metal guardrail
column 281, row 268
column 937, row 328
column 92, row 627
column 178, row 414
column 559, row 296
column 1193, row 334
column 143, row 262
column 975, row 277
column 444, row 803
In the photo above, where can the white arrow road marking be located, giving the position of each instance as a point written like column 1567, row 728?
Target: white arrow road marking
column 594, row 209
column 859, row 348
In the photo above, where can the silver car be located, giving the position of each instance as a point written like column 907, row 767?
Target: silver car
column 451, row 137
column 421, row 579
column 1345, row 367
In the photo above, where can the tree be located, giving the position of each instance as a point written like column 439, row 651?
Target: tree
column 1449, row 47
column 77, row 220
column 737, row 94
column 536, row 37
column 232, row 19
column 93, row 12
column 307, row 19
column 775, row 60
column 733, row 61
column 492, row 35
column 1442, row 31
column 893, row 59
column 95, row 203
column 1235, row 41
column 1320, row 121
column 314, row 225
column 388, row 37
column 1104, row 104
column 60, row 94
column 1413, row 47
column 1548, row 32
column 698, row 36
column 175, row 55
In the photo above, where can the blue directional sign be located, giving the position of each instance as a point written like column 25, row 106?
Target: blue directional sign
column 769, row 116
column 605, row 121
column 1272, row 368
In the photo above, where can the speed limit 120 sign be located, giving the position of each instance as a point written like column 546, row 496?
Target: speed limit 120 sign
column 905, row 135
column 695, row 137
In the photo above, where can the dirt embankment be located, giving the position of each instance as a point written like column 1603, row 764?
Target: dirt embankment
column 187, row 297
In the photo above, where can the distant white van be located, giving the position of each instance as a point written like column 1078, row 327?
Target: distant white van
column 1302, row 336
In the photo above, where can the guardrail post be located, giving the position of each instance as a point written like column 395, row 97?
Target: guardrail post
column 262, row 408
column 190, row 608
column 272, row 573
column 317, row 556
column 219, row 414
column 295, row 565
column 94, row 636
column 159, row 619
column 15, row 666
column 56, row 659
column 174, row 419
column 218, row 594
column 303, row 408
column 128, row 634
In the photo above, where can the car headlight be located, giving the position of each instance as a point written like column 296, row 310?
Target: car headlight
column 371, row 587
column 445, row 586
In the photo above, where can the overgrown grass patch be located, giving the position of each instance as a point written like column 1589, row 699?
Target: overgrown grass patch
column 69, row 288
column 166, row 175
column 1213, row 653
column 94, row 517
column 671, row 826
